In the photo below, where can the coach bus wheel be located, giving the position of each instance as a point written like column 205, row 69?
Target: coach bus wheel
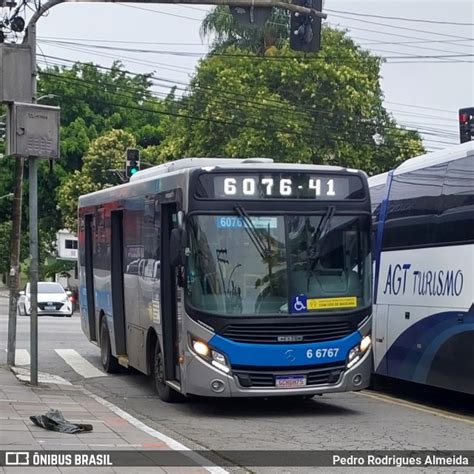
column 109, row 362
column 166, row 393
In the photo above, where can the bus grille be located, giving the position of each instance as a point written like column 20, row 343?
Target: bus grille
column 266, row 378
column 287, row 333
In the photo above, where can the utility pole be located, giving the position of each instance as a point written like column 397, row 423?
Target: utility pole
column 14, row 276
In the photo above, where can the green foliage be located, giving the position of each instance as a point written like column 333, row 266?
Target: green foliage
column 5, row 233
column 106, row 154
column 324, row 108
column 95, row 100
column 221, row 27
column 63, row 267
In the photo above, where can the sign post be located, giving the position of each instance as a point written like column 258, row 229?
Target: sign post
column 34, row 134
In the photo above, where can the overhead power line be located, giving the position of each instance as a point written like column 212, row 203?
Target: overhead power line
column 398, row 18
column 229, row 107
column 160, row 13
column 398, row 27
column 276, row 58
column 232, row 94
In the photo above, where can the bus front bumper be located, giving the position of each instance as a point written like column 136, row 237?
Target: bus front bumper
column 205, row 380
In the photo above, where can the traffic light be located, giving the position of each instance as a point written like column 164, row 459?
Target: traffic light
column 133, row 162
column 305, row 29
column 466, row 124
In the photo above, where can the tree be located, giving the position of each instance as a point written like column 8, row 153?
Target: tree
column 325, row 108
column 106, row 154
column 5, row 234
column 94, row 100
column 220, row 25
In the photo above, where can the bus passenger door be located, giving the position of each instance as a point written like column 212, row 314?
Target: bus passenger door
column 379, row 322
column 405, row 341
column 116, row 271
column 89, row 275
column 169, row 295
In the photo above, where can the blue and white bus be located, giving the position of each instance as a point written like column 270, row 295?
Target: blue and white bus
column 231, row 277
column 423, row 222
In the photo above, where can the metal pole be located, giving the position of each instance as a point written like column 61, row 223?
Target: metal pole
column 14, row 277
column 33, row 191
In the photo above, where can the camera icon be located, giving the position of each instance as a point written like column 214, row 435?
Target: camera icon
column 17, row 458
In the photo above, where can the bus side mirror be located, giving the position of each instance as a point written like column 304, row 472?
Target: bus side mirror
column 177, row 247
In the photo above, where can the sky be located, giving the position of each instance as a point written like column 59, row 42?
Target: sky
column 424, row 93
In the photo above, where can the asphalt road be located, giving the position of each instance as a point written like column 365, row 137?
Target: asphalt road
column 364, row 420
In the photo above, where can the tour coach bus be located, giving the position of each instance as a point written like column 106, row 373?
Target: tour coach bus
column 424, row 269
column 231, row 277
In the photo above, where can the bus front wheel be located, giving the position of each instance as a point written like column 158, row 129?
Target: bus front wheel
column 165, row 392
column 109, row 362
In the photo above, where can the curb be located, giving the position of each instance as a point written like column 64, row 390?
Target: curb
column 22, row 375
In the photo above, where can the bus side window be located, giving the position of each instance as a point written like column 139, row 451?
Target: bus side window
column 456, row 218
column 414, row 203
column 377, row 194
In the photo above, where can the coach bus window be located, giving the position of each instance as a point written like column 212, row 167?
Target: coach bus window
column 234, row 269
column 376, row 196
column 330, row 263
column 414, row 203
column 456, row 218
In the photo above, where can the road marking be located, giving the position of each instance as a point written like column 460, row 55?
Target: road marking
column 79, row 364
column 22, row 357
column 23, row 374
column 172, row 443
column 416, row 406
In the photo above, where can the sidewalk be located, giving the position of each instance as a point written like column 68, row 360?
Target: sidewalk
column 111, row 428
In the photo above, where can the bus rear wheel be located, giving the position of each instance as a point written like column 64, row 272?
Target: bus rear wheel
column 109, row 362
column 165, row 392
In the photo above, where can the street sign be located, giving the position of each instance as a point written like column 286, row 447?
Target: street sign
column 15, row 73
column 34, row 131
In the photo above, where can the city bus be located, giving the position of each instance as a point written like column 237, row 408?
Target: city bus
column 423, row 222
column 231, row 277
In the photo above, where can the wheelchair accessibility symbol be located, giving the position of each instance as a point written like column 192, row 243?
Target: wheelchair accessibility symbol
column 299, row 304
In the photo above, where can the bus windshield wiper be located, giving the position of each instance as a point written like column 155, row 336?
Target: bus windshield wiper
column 264, row 250
column 314, row 250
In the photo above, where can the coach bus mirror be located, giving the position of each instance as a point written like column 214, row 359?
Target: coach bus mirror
column 177, row 247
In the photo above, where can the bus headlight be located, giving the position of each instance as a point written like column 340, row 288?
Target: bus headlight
column 201, row 348
column 211, row 356
column 358, row 351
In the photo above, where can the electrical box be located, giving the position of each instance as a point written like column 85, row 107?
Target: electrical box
column 34, row 131
column 15, row 73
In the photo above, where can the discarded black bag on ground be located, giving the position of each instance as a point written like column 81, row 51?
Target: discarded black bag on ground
column 55, row 421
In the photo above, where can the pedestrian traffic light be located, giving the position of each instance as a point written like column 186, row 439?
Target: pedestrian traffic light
column 133, row 162
column 305, row 29
column 466, row 124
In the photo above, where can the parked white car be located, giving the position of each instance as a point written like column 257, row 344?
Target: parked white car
column 52, row 300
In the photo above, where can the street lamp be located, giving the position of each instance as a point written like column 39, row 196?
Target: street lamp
column 47, row 96
column 9, row 195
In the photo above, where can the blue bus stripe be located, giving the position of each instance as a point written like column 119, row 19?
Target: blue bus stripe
column 379, row 234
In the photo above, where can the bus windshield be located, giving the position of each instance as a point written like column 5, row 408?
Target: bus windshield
column 268, row 265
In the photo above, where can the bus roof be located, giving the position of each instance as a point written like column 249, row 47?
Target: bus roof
column 184, row 165
column 455, row 152
column 234, row 163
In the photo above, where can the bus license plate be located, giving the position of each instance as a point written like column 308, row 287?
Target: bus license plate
column 290, row 381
